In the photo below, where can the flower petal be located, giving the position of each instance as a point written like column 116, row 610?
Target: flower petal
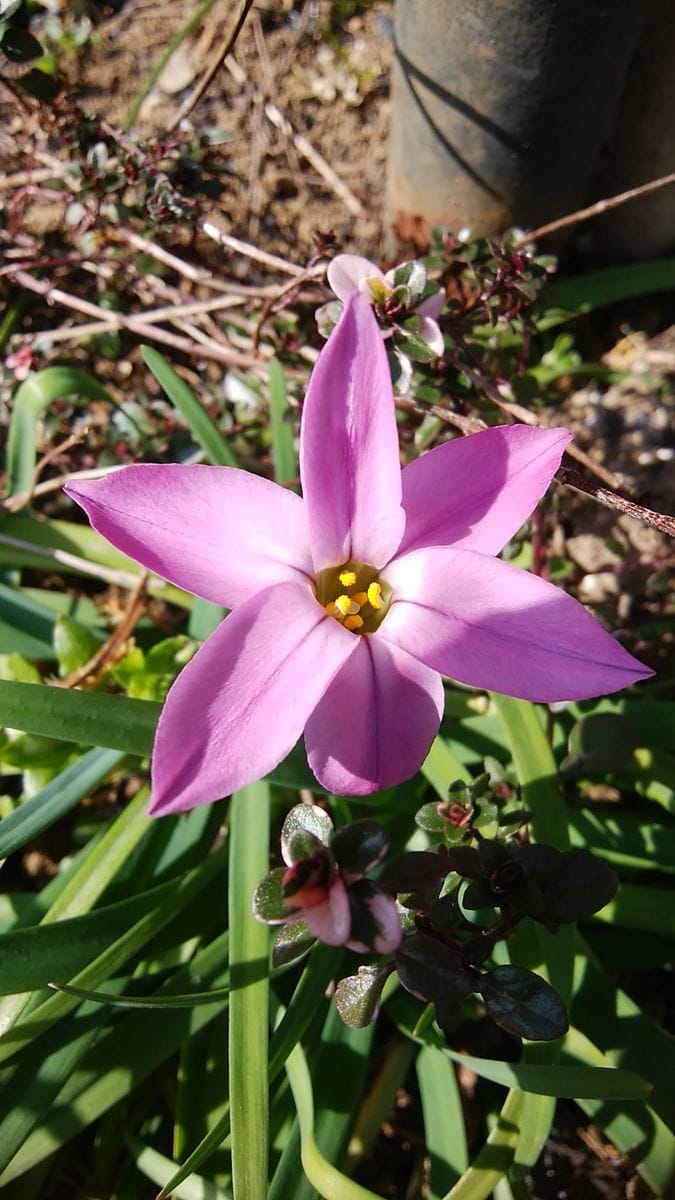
column 331, row 921
column 240, row 704
column 477, row 491
column 376, row 721
column 218, row 532
column 349, row 456
column 433, row 306
column 349, row 273
column 488, row 624
column 431, row 334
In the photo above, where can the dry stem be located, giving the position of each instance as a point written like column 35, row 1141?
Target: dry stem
column 118, row 637
column 596, row 210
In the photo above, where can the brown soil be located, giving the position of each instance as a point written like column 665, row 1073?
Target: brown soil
column 332, row 90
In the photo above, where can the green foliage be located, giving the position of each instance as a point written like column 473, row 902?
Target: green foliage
column 147, row 926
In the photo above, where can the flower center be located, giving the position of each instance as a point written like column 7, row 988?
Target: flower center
column 354, row 595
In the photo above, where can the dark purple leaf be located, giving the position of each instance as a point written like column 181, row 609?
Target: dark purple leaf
column 524, row 1004
column 359, row 846
column 414, row 871
column 433, row 971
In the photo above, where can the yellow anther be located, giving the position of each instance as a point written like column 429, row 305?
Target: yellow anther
column 347, row 578
column 378, row 290
column 375, row 595
column 353, row 622
column 330, row 608
column 360, row 598
column 343, row 605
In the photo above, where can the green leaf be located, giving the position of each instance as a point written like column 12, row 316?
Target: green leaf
column 599, row 288
column 95, row 719
column 124, row 1056
column 328, row 1181
column 307, row 998
column 202, row 428
column 536, row 769
column 32, row 958
column 306, row 821
column 281, row 429
column 159, row 1170
column 109, row 960
column 494, row 1160
column 267, row 902
column 413, row 276
column 56, row 799
column 187, row 1000
column 249, row 957
column 35, row 394
column 415, row 347
column 624, row 839
column 598, row 743
column 444, row 1126
column 74, row 644
column 441, row 768
column 292, row 941
column 100, row 719
column 26, row 625
column 648, row 909
column 358, row 996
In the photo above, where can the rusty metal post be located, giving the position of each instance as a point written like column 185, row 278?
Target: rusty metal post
column 500, row 107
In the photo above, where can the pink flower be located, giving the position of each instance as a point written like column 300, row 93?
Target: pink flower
column 20, row 362
column 324, row 883
column 349, row 273
column 350, row 604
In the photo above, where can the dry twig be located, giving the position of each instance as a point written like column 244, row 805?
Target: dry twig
column 138, row 326
column 660, row 521
column 596, row 210
column 115, row 642
column 217, row 60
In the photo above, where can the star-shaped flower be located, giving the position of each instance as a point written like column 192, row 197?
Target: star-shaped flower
column 351, row 603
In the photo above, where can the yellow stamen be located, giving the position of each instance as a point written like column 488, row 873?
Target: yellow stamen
column 360, row 598
column 330, row 608
column 353, row 622
column 378, row 290
column 375, row 595
column 343, row 604
column 347, row 578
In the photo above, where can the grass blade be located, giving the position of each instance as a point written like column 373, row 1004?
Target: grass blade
column 330, row 1183
column 121, row 1060
column 281, row 431
column 56, row 799
column 159, row 1170
column 249, row 999
column 496, row 1156
column 598, row 288
column 444, row 1128
column 95, row 719
column 31, row 399
column 202, row 428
